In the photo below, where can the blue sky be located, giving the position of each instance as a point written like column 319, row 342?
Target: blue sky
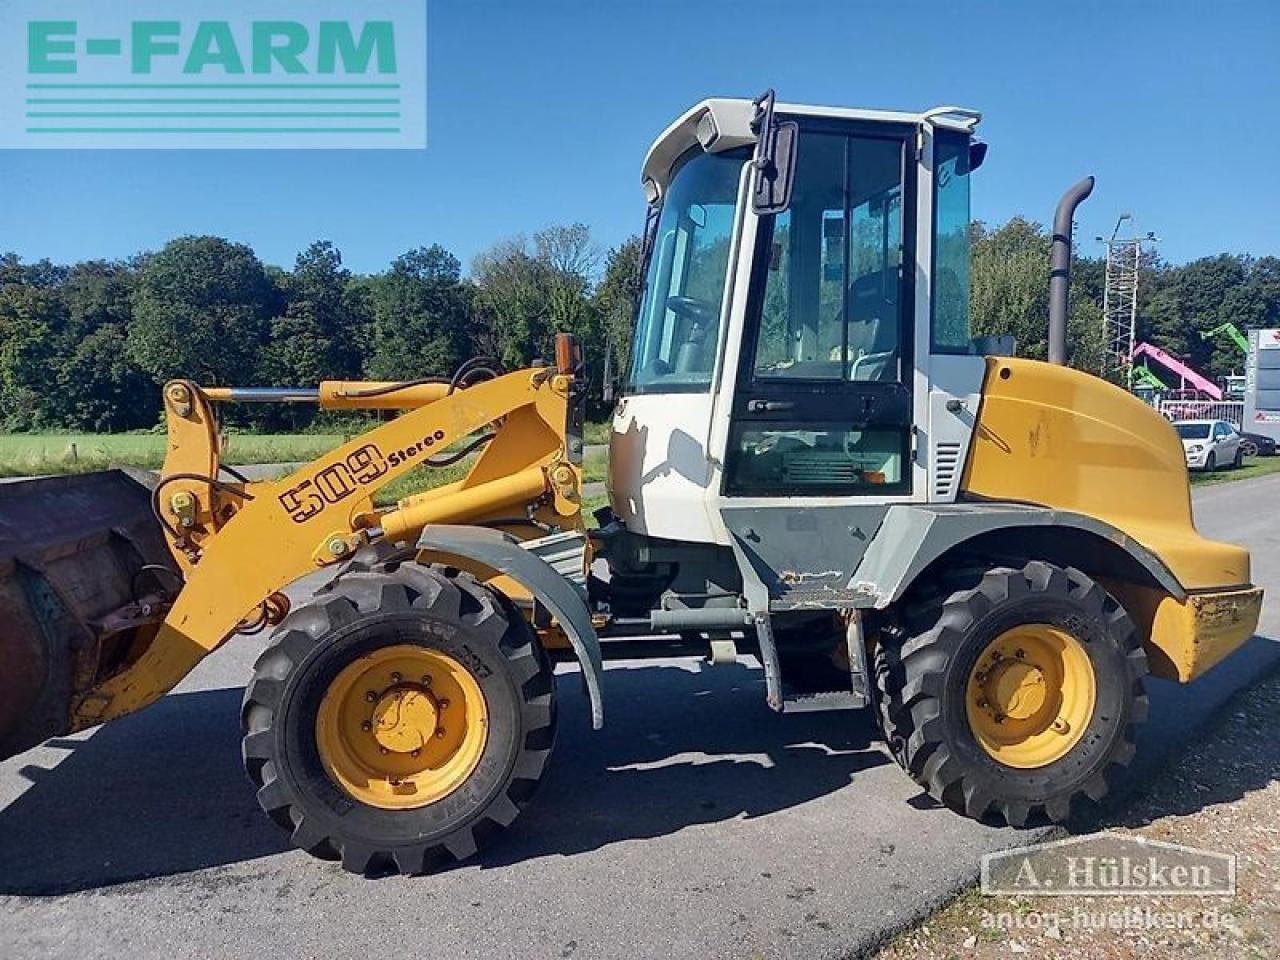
column 541, row 112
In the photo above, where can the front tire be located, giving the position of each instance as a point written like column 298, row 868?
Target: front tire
column 1015, row 699
column 1210, row 463
column 416, row 768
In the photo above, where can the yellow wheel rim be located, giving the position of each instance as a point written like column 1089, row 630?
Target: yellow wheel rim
column 1030, row 696
column 402, row 727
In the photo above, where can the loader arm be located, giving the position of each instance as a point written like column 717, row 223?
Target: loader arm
column 240, row 544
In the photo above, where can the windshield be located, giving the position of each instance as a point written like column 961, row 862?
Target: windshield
column 678, row 329
column 1192, row 431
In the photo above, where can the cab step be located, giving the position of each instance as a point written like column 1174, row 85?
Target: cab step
column 822, row 700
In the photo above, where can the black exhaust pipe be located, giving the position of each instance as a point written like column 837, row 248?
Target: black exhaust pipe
column 1060, row 267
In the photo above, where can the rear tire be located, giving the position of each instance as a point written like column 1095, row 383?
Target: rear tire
column 1248, row 448
column 421, row 612
column 926, row 685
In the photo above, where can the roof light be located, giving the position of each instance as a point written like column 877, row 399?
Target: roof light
column 708, row 133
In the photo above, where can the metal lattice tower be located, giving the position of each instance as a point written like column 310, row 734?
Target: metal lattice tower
column 1120, row 300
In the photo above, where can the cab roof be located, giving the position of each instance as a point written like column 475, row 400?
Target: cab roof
column 722, row 123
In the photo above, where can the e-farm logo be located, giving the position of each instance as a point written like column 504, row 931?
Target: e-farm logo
column 213, row 74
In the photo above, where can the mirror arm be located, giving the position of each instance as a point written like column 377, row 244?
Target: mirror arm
column 763, row 127
column 774, row 160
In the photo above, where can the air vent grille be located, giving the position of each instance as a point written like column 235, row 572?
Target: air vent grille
column 946, row 470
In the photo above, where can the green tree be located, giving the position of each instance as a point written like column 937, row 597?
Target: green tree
column 316, row 337
column 420, row 311
column 100, row 385
column 202, row 310
column 617, row 299
column 528, row 291
column 1198, row 296
column 1009, row 294
column 101, row 388
column 32, row 323
column 570, row 262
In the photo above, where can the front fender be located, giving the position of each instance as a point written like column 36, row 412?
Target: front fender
column 503, row 554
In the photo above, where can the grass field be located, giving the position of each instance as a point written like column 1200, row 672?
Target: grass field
column 26, row 454
column 1253, row 467
column 30, row 455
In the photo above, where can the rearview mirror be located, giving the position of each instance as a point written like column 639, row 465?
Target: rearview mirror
column 775, row 158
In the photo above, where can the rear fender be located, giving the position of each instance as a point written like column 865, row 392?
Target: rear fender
column 913, row 537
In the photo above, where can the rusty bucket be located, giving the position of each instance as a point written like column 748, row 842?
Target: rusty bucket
column 85, row 578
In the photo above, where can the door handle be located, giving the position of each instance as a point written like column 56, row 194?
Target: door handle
column 769, row 406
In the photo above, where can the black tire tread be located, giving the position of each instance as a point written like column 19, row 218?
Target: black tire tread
column 909, row 673
column 375, row 583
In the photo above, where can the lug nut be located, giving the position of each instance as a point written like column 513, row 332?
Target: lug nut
column 366, row 726
column 371, row 697
column 1021, row 654
column 444, row 704
column 416, row 753
column 383, row 750
column 439, row 733
column 426, row 679
column 395, row 678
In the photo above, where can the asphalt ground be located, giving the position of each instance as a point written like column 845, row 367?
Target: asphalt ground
column 696, row 824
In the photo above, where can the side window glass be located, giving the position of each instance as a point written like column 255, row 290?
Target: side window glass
column 831, row 307
column 950, row 332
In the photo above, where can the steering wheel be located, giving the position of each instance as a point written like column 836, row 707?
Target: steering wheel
column 698, row 311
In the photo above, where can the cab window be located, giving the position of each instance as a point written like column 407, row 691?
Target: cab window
column 678, row 327
column 950, row 326
column 832, row 306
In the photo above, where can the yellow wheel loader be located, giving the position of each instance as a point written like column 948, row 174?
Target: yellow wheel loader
column 812, row 462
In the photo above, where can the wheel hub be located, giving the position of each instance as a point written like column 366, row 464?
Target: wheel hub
column 1030, row 695
column 1015, row 689
column 404, row 719
column 402, row 727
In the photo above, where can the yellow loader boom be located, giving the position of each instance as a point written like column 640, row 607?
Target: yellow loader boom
column 238, row 544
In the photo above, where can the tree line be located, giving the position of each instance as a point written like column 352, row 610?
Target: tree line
column 1178, row 305
column 86, row 346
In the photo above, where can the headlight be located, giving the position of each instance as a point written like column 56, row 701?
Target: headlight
column 1194, row 448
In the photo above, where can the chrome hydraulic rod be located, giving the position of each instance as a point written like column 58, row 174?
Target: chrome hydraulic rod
column 263, row 394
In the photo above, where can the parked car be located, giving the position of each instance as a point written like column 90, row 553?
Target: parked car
column 1210, row 444
column 1257, row 445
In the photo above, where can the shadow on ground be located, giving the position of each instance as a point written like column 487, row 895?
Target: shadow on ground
column 163, row 792
column 1242, row 732
column 157, row 793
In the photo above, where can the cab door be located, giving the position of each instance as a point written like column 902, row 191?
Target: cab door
column 822, row 403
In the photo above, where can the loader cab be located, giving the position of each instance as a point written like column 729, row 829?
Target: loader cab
column 819, row 354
